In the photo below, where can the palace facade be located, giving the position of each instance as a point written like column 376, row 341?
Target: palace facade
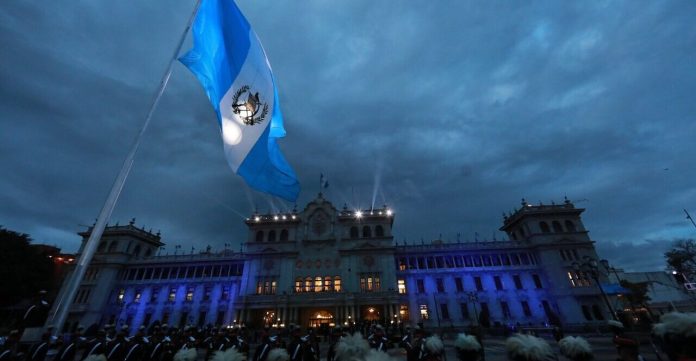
column 328, row 266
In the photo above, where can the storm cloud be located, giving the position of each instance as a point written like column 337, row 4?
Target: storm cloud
column 449, row 112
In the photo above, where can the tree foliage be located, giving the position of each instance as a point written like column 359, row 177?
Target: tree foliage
column 23, row 270
column 682, row 257
column 638, row 293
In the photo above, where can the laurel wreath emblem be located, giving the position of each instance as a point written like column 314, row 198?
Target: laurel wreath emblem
column 257, row 117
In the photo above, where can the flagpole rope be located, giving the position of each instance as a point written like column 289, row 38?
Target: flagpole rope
column 65, row 298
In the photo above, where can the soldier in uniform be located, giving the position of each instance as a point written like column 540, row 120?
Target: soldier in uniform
column 8, row 349
column 241, row 344
column 468, row 348
column 156, row 348
column 116, row 349
column 96, row 346
column 137, row 346
column 67, row 351
column 677, row 335
column 310, row 348
column 262, row 350
column 335, row 338
column 575, row 348
column 528, row 348
column 38, row 351
column 414, row 352
column 168, row 349
column 378, row 340
column 296, row 344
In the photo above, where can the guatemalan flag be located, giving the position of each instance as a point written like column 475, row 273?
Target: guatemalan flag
column 229, row 61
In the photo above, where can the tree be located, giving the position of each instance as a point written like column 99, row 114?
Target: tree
column 637, row 295
column 682, row 257
column 23, row 270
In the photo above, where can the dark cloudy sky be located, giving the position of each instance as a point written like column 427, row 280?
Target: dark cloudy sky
column 448, row 111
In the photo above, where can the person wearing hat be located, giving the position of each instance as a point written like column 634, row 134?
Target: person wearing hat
column 9, row 348
column 156, row 349
column 38, row 351
column 468, row 348
column 116, row 349
column 575, row 348
column 406, row 341
column 521, row 347
column 168, row 349
column 96, row 346
column 137, row 346
column 377, row 340
column 296, row 345
column 627, row 347
column 241, row 344
column 264, row 349
column 676, row 332
column 310, row 348
column 334, row 338
column 414, row 352
column 67, row 351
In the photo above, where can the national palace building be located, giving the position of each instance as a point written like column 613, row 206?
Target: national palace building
column 324, row 265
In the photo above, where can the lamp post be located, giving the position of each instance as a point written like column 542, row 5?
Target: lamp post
column 591, row 266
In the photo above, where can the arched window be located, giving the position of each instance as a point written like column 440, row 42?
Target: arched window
column 308, row 284
column 570, row 226
column 586, row 312
column 318, row 284
column 136, row 251
column 597, row 312
column 298, row 284
column 259, row 236
column 112, row 246
column 337, row 283
column 354, row 232
column 102, row 247
column 367, row 232
column 271, row 236
column 544, row 227
column 557, row 227
column 379, row 231
column 284, row 235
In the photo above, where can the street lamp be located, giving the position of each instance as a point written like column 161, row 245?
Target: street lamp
column 591, row 266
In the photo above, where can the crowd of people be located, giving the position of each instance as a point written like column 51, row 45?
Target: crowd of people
column 675, row 335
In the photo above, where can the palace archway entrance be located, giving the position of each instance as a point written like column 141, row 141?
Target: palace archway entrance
column 370, row 313
column 321, row 318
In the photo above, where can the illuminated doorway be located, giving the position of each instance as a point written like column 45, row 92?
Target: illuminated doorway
column 370, row 313
column 321, row 318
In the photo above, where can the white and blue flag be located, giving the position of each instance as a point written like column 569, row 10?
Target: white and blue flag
column 229, row 61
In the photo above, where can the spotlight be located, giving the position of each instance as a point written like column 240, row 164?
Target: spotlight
column 358, row 214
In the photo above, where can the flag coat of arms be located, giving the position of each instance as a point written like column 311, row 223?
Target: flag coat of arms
column 231, row 65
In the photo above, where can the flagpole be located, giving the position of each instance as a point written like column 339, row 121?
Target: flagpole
column 65, row 301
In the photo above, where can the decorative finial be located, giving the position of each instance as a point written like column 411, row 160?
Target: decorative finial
column 345, row 207
column 505, row 217
column 294, row 208
column 524, row 202
column 158, row 233
column 132, row 221
column 567, row 201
